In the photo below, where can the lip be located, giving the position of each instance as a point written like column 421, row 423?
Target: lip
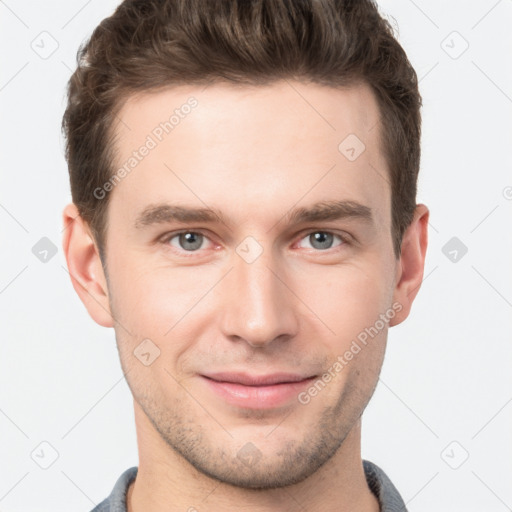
column 257, row 391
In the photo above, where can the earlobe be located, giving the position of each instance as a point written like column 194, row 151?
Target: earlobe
column 84, row 266
column 411, row 263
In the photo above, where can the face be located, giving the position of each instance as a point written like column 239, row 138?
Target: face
column 235, row 324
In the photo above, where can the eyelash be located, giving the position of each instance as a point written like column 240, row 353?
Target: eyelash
column 168, row 237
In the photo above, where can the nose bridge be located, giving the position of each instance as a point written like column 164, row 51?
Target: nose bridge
column 258, row 306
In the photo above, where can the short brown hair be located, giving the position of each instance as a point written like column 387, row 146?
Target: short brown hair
column 146, row 45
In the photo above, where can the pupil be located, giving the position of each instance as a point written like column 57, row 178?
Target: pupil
column 193, row 240
column 324, row 240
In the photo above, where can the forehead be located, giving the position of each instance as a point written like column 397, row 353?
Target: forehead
column 299, row 108
column 251, row 148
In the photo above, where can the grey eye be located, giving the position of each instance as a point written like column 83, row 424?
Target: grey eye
column 188, row 241
column 321, row 240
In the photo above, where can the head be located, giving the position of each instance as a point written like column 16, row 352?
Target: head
column 243, row 177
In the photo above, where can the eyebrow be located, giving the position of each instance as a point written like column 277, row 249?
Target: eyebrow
column 321, row 211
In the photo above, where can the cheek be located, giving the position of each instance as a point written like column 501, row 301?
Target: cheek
column 349, row 299
column 154, row 302
column 152, row 305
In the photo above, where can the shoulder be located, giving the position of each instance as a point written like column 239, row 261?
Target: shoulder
column 116, row 502
column 383, row 488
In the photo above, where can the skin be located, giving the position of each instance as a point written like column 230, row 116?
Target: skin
column 253, row 153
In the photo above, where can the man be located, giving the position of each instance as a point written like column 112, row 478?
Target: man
column 244, row 178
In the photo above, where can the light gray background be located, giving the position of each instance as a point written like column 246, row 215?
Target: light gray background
column 446, row 386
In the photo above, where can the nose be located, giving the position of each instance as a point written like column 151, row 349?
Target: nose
column 258, row 305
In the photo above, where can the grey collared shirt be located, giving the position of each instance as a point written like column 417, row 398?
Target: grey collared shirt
column 378, row 482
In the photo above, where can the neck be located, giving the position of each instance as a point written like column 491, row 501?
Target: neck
column 167, row 482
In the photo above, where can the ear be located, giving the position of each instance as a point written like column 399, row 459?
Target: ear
column 411, row 263
column 84, row 265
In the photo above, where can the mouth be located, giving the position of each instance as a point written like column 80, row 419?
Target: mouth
column 257, row 391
